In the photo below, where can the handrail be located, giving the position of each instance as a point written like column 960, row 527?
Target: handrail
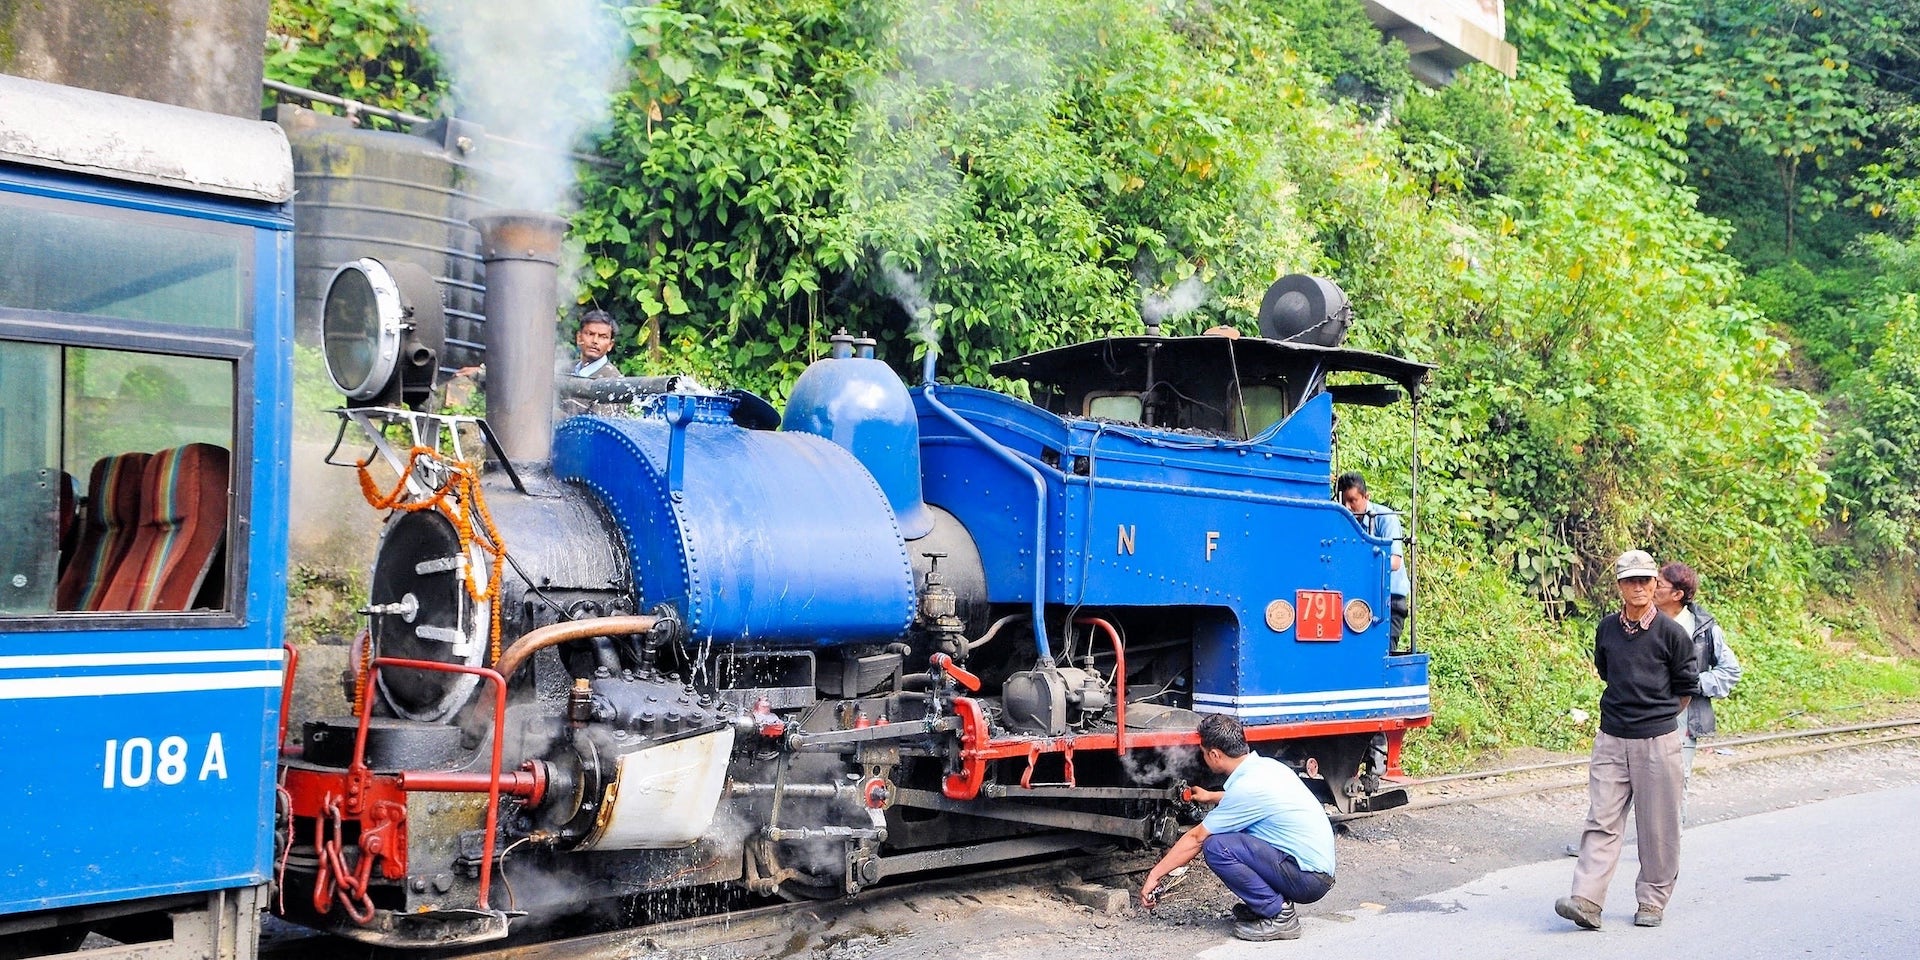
column 1120, row 680
column 357, row 769
column 999, row 451
column 286, row 691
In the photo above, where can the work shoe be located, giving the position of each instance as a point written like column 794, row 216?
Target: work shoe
column 1583, row 912
column 1647, row 916
column 1245, row 914
column 1286, row 926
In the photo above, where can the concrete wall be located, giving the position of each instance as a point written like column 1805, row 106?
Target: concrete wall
column 204, row 54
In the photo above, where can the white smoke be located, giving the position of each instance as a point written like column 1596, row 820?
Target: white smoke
column 910, row 292
column 1161, row 767
column 1184, row 298
column 915, row 126
column 541, row 75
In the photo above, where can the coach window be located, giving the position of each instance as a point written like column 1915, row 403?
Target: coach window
column 123, row 335
column 115, row 480
column 86, row 260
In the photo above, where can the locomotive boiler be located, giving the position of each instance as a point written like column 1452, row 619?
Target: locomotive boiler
column 692, row 641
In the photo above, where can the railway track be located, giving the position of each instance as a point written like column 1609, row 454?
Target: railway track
column 753, row 931
column 1817, row 740
column 784, row 929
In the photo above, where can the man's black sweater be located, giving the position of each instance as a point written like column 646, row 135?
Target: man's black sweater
column 1647, row 673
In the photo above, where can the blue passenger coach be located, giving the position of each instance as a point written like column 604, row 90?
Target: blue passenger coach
column 145, row 368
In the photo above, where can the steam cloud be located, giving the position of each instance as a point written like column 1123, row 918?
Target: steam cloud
column 956, row 76
column 539, row 74
column 1184, row 298
column 911, row 294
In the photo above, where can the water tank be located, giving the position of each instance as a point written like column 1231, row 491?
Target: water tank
column 389, row 196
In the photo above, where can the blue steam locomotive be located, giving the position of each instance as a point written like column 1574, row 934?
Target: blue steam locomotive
column 692, row 641
column 684, row 641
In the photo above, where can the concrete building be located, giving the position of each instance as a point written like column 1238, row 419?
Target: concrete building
column 1445, row 35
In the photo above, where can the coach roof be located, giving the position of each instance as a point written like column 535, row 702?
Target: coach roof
column 121, row 138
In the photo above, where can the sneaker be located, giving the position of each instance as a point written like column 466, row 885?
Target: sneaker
column 1245, row 914
column 1583, row 912
column 1648, row 916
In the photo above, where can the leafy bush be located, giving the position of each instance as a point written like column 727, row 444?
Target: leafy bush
column 993, row 177
column 1337, row 40
column 1876, row 463
column 371, row 51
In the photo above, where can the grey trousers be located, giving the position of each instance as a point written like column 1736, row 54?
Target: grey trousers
column 1645, row 775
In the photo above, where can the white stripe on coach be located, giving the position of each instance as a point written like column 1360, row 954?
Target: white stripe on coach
column 43, row 688
column 1324, row 696
column 139, row 659
column 1301, row 712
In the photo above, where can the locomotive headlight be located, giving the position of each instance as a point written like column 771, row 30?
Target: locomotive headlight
column 1359, row 615
column 382, row 328
column 1279, row 616
column 360, row 327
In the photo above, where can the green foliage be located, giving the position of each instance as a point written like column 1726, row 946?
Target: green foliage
column 1573, row 37
column 1599, row 386
column 1824, row 311
column 1876, row 463
column 371, row 51
column 1340, row 43
column 1766, row 76
column 1478, row 627
column 996, row 177
column 1462, row 138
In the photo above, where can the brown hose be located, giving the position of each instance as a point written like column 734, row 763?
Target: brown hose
column 557, row 633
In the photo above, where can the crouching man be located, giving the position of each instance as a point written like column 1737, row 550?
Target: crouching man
column 1268, row 839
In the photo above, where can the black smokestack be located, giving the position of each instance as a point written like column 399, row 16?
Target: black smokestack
column 521, row 249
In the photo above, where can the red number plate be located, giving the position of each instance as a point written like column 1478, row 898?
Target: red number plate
column 1317, row 615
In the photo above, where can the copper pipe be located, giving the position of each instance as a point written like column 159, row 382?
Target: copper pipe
column 286, row 698
column 541, row 638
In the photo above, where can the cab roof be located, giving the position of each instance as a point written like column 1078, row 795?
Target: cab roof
column 1252, row 358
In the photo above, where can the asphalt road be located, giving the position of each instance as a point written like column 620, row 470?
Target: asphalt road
column 1832, row 879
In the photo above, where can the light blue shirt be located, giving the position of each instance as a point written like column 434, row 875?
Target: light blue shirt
column 1384, row 522
column 1265, row 798
column 589, row 369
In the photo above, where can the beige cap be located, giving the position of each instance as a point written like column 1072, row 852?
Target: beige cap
column 1635, row 563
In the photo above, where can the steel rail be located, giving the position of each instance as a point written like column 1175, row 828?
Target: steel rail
column 1522, row 790
column 1734, row 742
column 703, row 932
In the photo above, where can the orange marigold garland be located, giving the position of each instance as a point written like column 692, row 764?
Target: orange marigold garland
column 462, row 487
